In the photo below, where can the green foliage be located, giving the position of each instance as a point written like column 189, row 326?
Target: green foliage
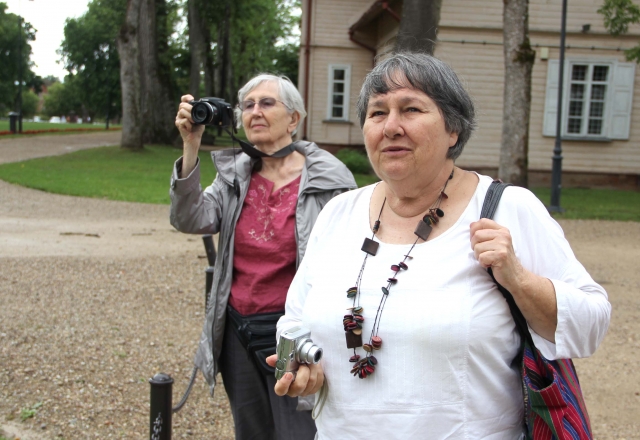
column 14, row 39
column 89, row 52
column 259, row 40
column 256, row 28
column 175, row 56
column 618, row 15
column 63, row 99
column 286, row 61
column 356, row 161
column 108, row 172
column 30, row 411
column 29, row 103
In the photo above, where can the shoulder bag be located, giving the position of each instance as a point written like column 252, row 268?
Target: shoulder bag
column 553, row 402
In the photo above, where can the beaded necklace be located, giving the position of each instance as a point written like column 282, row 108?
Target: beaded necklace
column 353, row 321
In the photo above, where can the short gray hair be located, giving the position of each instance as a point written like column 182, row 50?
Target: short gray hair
column 434, row 78
column 287, row 92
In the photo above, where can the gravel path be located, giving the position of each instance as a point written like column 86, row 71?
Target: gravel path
column 97, row 296
column 28, row 147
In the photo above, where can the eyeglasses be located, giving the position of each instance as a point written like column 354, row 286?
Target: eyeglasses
column 264, row 104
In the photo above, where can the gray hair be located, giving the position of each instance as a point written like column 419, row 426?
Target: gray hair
column 287, row 92
column 434, row 78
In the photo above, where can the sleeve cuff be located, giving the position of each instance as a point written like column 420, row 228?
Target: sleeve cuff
column 557, row 350
column 185, row 184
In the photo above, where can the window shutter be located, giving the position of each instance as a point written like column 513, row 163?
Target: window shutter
column 621, row 100
column 551, row 100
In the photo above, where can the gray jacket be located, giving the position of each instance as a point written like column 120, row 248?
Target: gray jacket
column 216, row 209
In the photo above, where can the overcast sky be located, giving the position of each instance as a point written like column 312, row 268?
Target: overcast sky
column 47, row 17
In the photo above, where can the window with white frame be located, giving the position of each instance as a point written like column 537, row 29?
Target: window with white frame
column 588, row 84
column 338, row 102
column 597, row 97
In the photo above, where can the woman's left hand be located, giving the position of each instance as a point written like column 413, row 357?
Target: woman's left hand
column 492, row 246
column 307, row 380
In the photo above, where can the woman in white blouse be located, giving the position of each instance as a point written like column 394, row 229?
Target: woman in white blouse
column 418, row 341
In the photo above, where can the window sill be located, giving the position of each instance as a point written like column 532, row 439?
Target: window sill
column 600, row 139
column 336, row 121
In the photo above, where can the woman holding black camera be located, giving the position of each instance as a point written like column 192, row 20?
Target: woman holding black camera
column 263, row 203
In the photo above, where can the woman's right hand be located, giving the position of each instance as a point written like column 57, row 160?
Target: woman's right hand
column 308, row 380
column 191, row 135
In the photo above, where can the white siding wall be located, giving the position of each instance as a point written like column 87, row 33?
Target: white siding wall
column 482, row 69
column 335, row 132
column 544, row 15
column 330, row 44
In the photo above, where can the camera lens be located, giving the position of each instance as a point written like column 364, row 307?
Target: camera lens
column 310, row 353
column 202, row 113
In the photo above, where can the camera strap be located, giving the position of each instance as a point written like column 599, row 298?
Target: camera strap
column 254, row 153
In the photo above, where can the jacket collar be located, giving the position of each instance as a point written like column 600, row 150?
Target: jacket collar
column 324, row 171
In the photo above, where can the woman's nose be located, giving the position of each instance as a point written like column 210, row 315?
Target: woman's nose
column 393, row 125
column 256, row 109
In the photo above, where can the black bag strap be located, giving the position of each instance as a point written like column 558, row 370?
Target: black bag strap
column 492, row 198
column 489, row 207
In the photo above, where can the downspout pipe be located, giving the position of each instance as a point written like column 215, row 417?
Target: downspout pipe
column 366, row 46
column 307, row 64
column 385, row 6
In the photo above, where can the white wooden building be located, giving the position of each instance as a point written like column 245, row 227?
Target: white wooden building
column 601, row 135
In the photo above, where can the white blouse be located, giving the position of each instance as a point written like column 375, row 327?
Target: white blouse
column 444, row 369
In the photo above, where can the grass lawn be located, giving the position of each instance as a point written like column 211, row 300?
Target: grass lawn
column 603, row 204
column 116, row 174
column 106, row 172
column 27, row 126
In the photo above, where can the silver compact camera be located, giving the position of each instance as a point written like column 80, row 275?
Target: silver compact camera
column 295, row 347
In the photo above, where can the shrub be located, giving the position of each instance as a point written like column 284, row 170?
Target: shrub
column 356, row 161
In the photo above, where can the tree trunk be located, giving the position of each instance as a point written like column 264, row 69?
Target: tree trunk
column 130, row 78
column 209, row 83
column 518, row 64
column 224, row 54
column 158, row 112
column 418, row 26
column 196, row 46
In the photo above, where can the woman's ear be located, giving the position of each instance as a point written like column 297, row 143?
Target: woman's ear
column 295, row 118
column 453, row 139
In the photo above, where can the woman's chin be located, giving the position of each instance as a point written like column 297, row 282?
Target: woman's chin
column 394, row 173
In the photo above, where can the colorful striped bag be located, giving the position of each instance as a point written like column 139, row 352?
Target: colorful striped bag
column 554, row 407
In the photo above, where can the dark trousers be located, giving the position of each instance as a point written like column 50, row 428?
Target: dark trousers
column 258, row 413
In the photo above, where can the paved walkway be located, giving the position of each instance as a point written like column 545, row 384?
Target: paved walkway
column 28, row 147
column 36, row 223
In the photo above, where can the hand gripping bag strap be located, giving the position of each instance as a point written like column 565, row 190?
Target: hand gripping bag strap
column 554, row 406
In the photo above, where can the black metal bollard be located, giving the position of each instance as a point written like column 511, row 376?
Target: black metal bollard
column 162, row 384
column 160, row 413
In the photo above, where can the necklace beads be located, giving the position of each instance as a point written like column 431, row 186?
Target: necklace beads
column 354, row 320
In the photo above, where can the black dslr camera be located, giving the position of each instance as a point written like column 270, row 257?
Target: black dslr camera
column 214, row 112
